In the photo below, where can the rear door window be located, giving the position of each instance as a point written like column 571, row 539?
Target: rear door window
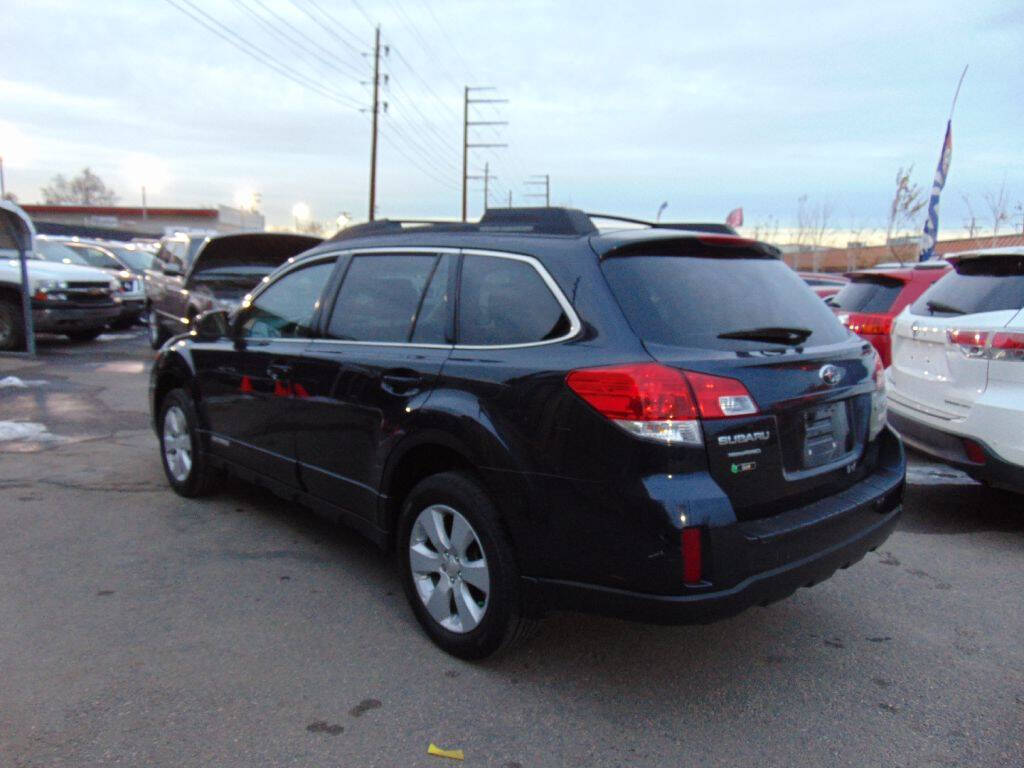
column 983, row 284
column 380, row 297
column 868, row 293
column 688, row 301
column 505, row 301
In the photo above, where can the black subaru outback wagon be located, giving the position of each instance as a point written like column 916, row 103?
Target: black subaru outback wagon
column 657, row 423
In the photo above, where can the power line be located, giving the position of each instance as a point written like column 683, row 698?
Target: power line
column 335, row 23
column 424, row 83
column 258, row 54
column 386, row 135
column 445, row 142
column 353, row 72
column 366, row 16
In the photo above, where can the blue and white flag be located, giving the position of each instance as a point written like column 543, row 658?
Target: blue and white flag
column 931, row 226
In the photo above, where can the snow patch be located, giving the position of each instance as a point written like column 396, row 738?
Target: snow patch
column 27, row 430
column 15, row 383
column 937, row 474
column 116, row 336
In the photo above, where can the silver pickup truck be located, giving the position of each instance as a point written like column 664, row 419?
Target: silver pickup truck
column 76, row 301
column 193, row 274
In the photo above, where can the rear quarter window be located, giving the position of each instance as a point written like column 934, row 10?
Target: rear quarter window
column 983, row 284
column 505, row 301
column 687, row 301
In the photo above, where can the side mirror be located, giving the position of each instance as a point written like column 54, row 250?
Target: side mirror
column 172, row 270
column 211, row 326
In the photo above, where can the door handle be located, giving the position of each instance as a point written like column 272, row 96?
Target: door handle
column 277, row 371
column 400, row 382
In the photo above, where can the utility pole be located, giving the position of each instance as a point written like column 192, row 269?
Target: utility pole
column 373, row 137
column 544, row 179
column 145, row 211
column 466, row 124
column 487, row 182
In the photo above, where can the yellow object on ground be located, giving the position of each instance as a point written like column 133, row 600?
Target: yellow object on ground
column 453, row 754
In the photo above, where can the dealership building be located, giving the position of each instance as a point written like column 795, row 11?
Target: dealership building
column 123, row 222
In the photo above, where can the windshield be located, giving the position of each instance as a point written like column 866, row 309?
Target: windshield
column 690, row 301
column 983, row 284
column 136, row 259
column 96, row 257
column 47, row 250
column 868, row 293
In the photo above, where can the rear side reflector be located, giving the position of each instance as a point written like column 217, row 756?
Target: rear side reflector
column 656, row 402
column 974, row 452
column 693, row 566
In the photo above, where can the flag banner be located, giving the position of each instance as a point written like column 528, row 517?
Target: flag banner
column 931, row 225
column 735, row 218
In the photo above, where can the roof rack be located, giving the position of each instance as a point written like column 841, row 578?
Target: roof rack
column 533, row 220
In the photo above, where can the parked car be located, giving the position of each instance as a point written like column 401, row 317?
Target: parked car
column 956, row 383
column 823, row 284
column 656, row 424
column 68, row 298
column 871, row 300
column 191, row 275
column 133, row 291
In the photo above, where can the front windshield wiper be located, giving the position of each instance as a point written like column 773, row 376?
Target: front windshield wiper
column 938, row 306
column 779, row 335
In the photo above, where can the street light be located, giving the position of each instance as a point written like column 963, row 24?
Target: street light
column 301, row 213
column 146, row 172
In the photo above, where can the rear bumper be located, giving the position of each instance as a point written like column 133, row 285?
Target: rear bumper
column 949, row 448
column 760, row 561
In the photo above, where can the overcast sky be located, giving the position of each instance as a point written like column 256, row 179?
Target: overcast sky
column 707, row 106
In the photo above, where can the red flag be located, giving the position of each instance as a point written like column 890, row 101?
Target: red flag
column 735, row 218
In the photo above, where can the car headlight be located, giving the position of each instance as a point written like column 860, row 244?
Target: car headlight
column 49, row 290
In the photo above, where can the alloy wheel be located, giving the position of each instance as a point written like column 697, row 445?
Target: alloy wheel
column 177, row 444
column 449, row 568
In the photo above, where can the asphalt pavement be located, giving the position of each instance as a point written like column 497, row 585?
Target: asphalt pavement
column 138, row 628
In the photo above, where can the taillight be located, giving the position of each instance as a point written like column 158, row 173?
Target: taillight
column 879, row 400
column 657, row 402
column 974, row 452
column 879, row 371
column 987, row 345
column 861, row 323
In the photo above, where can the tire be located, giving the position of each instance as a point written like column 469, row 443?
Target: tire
column 12, row 331
column 462, row 619
column 84, row 335
column 185, row 462
column 157, row 335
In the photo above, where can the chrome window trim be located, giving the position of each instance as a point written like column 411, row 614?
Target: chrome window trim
column 574, row 321
column 575, row 325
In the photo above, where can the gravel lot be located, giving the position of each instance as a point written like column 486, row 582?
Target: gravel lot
column 138, row 628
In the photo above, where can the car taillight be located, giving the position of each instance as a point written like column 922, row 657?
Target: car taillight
column 658, row 403
column 862, row 323
column 879, row 371
column 974, row 452
column 987, row 345
column 879, row 400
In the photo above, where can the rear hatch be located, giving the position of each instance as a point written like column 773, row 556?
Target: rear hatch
column 730, row 308
column 230, row 266
column 943, row 343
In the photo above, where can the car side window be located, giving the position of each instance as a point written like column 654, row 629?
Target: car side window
column 380, row 296
column 506, row 301
column 285, row 309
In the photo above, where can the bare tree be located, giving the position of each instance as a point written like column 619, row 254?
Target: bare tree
column 997, row 206
column 811, row 225
column 906, row 204
column 84, row 189
column 971, row 224
column 768, row 230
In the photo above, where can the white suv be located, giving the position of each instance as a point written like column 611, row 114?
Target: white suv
column 956, row 384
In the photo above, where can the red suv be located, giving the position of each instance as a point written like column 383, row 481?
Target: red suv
column 873, row 297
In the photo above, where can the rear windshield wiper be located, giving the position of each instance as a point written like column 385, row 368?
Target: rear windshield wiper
column 938, row 306
column 778, row 335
